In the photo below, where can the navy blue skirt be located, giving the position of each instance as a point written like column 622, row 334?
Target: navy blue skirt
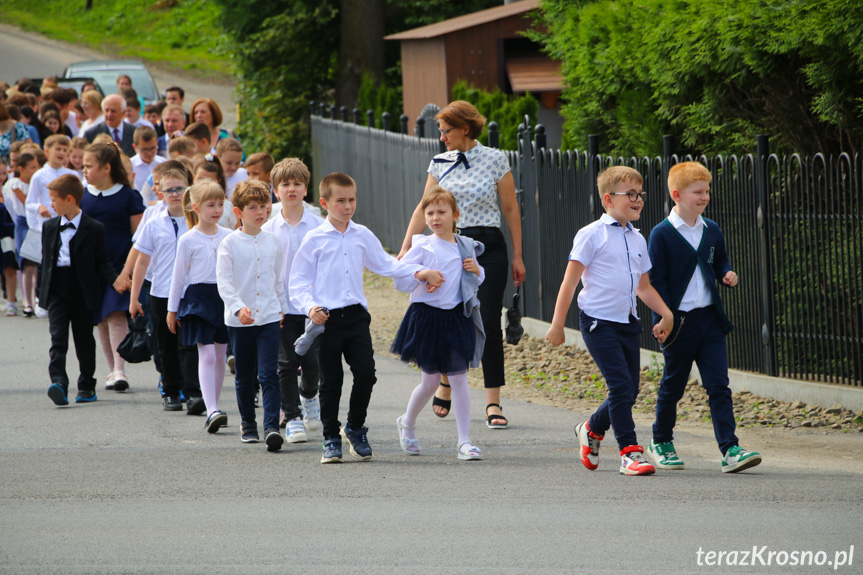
column 437, row 340
column 202, row 316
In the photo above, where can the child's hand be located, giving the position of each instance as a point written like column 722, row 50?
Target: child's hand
column 122, row 284
column 44, row 212
column 135, row 309
column 319, row 315
column 555, row 335
column 471, row 266
column 245, row 316
column 172, row 321
column 730, row 279
column 281, row 320
column 662, row 329
column 432, row 278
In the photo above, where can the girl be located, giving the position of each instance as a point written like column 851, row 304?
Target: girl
column 27, row 165
column 76, row 156
column 194, row 301
column 110, row 200
column 441, row 331
column 210, row 168
column 51, row 125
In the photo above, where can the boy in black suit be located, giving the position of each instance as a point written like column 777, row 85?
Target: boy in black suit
column 74, row 260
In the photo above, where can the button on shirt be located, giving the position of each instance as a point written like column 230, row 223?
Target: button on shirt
column 249, row 274
column 696, row 295
column 158, row 239
column 64, row 258
column 291, row 237
column 328, row 268
column 614, row 260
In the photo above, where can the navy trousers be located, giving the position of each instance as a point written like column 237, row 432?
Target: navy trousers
column 614, row 347
column 699, row 339
column 256, row 351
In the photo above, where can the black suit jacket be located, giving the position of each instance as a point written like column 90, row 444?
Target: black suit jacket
column 128, row 135
column 89, row 260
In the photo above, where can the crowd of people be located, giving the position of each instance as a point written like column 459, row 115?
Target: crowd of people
column 112, row 210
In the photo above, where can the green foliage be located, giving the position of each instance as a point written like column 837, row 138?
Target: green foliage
column 507, row 111
column 713, row 73
column 380, row 97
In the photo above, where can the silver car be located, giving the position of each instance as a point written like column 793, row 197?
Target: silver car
column 105, row 72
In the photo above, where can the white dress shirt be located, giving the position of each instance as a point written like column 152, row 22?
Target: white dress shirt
column 195, row 262
column 239, row 176
column 143, row 170
column 696, row 295
column 328, row 268
column 64, row 258
column 158, row 239
column 38, row 194
column 291, row 237
column 249, row 274
column 73, row 125
column 614, row 260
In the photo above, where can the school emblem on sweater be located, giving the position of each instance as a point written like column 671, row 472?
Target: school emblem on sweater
column 710, row 258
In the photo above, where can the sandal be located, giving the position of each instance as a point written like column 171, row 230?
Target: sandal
column 495, row 417
column 28, row 311
column 409, row 446
column 467, row 451
column 444, row 403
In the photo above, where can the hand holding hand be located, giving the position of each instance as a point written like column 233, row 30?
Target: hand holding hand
column 662, row 329
column 433, row 278
column 122, row 284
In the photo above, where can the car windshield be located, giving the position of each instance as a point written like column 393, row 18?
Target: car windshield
column 108, row 81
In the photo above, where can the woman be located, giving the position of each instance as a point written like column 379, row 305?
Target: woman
column 10, row 131
column 478, row 177
column 52, row 124
column 206, row 111
column 91, row 103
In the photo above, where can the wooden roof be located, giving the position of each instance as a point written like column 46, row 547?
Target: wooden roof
column 466, row 21
column 534, row 75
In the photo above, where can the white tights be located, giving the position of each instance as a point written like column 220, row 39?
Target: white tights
column 211, row 373
column 112, row 330
column 425, row 390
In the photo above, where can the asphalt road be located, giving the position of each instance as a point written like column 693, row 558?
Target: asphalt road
column 26, row 54
column 120, row 486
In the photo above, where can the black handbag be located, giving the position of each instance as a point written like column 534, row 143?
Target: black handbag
column 514, row 329
column 135, row 347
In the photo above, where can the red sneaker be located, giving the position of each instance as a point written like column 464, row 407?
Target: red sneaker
column 589, row 445
column 632, row 461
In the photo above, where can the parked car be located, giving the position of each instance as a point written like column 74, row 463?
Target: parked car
column 105, row 72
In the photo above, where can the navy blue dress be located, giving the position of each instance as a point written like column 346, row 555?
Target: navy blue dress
column 114, row 212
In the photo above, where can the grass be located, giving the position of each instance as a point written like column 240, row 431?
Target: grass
column 185, row 35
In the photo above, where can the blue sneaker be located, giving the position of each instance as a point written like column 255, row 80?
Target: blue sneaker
column 249, row 434
column 358, row 441
column 159, row 386
column 332, row 450
column 85, row 397
column 58, row 394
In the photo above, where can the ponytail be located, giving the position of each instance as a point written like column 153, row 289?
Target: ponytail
column 191, row 215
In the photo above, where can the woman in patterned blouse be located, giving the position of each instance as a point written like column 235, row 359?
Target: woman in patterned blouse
column 478, row 177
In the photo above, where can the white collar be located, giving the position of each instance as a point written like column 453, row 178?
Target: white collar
column 329, row 227
column 677, row 221
column 281, row 221
column 608, row 220
column 109, row 192
column 76, row 221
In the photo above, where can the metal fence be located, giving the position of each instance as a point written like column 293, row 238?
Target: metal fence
column 793, row 226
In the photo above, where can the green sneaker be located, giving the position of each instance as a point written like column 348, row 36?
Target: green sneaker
column 663, row 455
column 737, row 459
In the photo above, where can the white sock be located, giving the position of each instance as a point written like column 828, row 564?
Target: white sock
column 211, row 373
column 420, row 396
column 461, row 405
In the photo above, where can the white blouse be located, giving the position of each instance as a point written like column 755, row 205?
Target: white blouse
column 195, row 262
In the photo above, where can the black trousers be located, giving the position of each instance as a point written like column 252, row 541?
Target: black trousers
column 495, row 262
column 293, row 327
column 179, row 362
column 65, row 308
column 346, row 334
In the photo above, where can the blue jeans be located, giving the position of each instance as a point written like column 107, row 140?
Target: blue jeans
column 614, row 347
column 701, row 340
column 256, row 348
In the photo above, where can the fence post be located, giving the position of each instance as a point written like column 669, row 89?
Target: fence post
column 493, row 135
column 324, row 110
column 385, row 120
column 667, row 152
column 404, row 122
column 592, row 173
column 334, row 112
column 539, row 137
column 356, row 113
column 421, row 128
column 344, row 113
column 762, row 183
column 370, row 117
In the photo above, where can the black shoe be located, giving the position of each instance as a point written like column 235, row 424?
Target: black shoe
column 173, row 403
column 216, row 420
column 195, row 406
column 273, row 439
column 249, row 434
column 58, row 394
column 120, row 384
column 85, row 397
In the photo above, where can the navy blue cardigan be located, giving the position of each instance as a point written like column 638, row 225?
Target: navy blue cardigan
column 674, row 260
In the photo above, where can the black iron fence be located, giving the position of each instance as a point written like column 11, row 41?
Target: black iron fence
column 793, row 226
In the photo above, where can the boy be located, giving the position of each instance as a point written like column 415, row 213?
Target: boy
column 249, row 275
column 146, row 143
column 200, row 133
column 610, row 257
column 156, row 245
column 74, row 259
column 258, row 167
column 291, row 224
column 326, row 282
column 132, row 112
column 689, row 256
column 151, row 114
column 230, row 154
column 181, row 146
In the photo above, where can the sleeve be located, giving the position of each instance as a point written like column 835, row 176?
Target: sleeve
column 279, row 281
column 181, row 270
column 21, row 132
column 415, row 256
column 659, row 270
column 145, row 241
column 499, row 166
column 136, row 203
column 646, row 261
column 721, row 263
column 380, row 262
column 302, row 278
column 583, row 248
column 225, row 277
column 434, row 170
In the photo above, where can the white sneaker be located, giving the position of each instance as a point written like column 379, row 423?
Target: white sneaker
column 41, row 312
column 311, row 413
column 109, row 381
column 295, row 431
column 11, row 309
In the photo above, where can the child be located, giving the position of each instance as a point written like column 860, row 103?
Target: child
column 610, row 257
column 181, row 146
column 194, row 301
column 230, row 154
column 258, row 167
column 441, row 331
column 110, row 200
column 200, row 134
column 688, row 255
column 326, row 282
column 145, row 142
column 156, row 243
column 16, row 197
column 211, row 169
column 73, row 260
column 151, row 114
column 291, row 178
column 76, row 156
column 249, row 274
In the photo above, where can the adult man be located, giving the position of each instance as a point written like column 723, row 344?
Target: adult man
column 114, row 125
column 175, row 95
column 173, row 121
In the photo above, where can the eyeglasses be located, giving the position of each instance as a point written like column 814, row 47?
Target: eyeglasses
column 632, row 195
column 173, row 191
column 445, row 132
column 150, row 149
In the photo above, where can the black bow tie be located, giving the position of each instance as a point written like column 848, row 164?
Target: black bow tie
column 67, row 226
